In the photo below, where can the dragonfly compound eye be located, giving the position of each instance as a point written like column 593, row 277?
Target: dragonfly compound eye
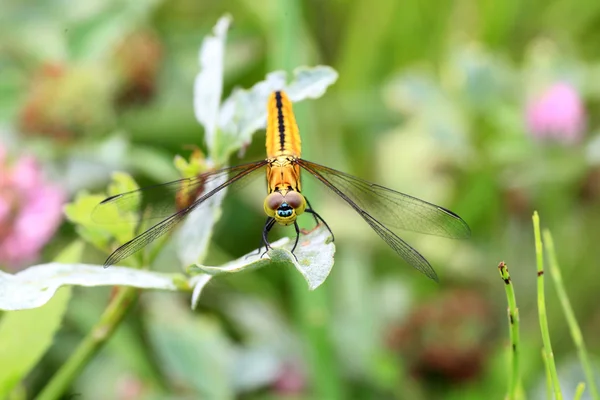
column 273, row 201
column 294, row 199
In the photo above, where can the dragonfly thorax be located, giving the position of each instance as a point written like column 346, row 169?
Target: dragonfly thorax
column 285, row 207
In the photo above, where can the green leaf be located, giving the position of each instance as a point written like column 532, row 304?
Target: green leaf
column 195, row 166
column 107, row 224
column 26, row 335
column 314, row 261
column 79, row 212
column 121, row 183
column 36, row 285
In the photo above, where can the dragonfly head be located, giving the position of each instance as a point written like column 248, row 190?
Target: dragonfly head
column 285, row 208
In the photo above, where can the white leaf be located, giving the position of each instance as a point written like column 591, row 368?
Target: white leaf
column 246, row 263
column 314, row 254
column 245, row 111
column 315, row 257
column 311, row 83
column 208, row 86
column 192, row 239
column 198, row 282
column 34, row 286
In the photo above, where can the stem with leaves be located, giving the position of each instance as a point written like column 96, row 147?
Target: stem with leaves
column 549, row 355
column 569, row 314
column 513, row 320
column 91, row 344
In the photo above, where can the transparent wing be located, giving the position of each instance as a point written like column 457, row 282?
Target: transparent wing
column 174, row 200
column 162, row 200
column 393, row 209
column 383, row 208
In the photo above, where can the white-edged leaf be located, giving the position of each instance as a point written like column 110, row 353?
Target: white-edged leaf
column 250, row 261
column 192, row 239
column 311, row 83
column 315, row 257
column 245, row 111
column 247, row 263
column 27, row 334
column 314, row 260
column 36, row 285
column 198, row 282
column 208, row 85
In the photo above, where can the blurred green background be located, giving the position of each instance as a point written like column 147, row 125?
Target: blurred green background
column 432, row 100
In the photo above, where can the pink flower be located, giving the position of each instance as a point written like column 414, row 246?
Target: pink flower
column 291, row 380
column 30, row 210
column 129, row 387
column 557, row 114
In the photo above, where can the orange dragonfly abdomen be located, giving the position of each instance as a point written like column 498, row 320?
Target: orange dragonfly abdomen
column 284, row 201
column 283, row 145
column 283, row 137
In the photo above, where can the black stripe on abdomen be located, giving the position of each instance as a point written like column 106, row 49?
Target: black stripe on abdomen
column 281, row 125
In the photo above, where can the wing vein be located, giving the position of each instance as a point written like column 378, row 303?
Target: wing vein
column 166, row 225
column 403, row 249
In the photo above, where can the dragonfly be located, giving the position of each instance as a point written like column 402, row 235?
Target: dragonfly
column 385, row 210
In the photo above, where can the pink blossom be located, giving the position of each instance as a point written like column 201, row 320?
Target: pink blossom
column 129, row 387
column 557, row 114
column 291, row 380
column 30, row 210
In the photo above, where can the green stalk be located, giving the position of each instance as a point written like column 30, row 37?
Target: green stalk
column 91, row 344
column 548, row 378
column 539, row 253
column 579, row 391
column 513, row 323
column 570, row 315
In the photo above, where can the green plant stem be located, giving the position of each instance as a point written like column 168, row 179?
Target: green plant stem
column 569, row 314
column 91, row 344
column 579, row 391
column 548, row 378
column 539, row 253
column 513, row 323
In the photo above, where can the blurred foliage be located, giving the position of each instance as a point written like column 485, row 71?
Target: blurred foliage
column 431, row 100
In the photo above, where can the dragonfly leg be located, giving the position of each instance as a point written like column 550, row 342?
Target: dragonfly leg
column 318, row 217
column 268, row 225
column 262, row 240
column 310, row 209
column 297, row 237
